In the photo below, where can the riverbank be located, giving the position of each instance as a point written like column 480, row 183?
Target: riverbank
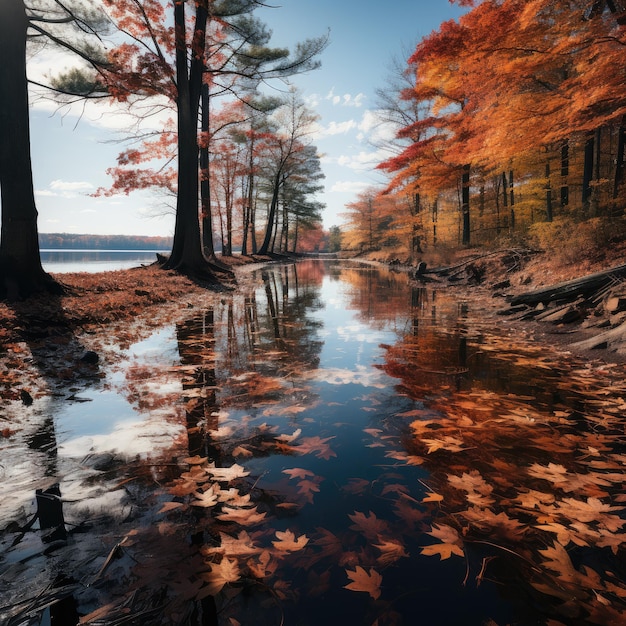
column 62, row 333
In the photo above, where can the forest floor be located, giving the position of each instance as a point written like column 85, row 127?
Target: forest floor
column 57, row 335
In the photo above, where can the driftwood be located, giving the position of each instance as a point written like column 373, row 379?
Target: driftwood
column 611, row 337
column 517, row 253
column 572, row 289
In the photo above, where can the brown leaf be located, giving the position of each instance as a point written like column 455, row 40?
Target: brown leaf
column 220, row 574
column 368, row 582
column 451, row 542
column 287, row 541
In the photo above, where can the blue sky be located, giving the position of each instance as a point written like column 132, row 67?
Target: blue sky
column 71, row 153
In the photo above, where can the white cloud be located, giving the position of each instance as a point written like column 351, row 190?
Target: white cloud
column 362, row 161
column 346, row 100
column 64, row 189
column 335, row 128
column 375, row 129
column 350, row 186
column 64, row 185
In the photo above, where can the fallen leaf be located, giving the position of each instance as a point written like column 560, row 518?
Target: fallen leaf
column 220, row 574
column 390, row 552
column 451, row 542
column 368, row 582
column 287, row 541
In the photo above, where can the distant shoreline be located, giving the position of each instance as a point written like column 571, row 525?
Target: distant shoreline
column 71, row 241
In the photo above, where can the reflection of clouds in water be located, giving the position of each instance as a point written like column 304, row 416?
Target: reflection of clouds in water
column 127, row 439
column 358, row 333
column 359, row 376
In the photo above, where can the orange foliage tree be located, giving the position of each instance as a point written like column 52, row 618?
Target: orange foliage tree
column 530, row 94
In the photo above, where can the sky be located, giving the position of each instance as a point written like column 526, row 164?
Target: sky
column 72, row 149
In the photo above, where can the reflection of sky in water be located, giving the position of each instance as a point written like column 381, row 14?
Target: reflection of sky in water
column 348, row 341
column 104, row 421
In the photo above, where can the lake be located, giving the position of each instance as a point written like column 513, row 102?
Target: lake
column 61, row 261
column 331, row 444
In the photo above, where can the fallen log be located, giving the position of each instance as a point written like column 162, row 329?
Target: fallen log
column 571, row 289
column 609, row 338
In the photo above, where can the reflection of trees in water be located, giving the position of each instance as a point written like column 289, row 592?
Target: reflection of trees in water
column 500, row 430
column 378, row 295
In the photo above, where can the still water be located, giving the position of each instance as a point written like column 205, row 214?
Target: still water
column 336, row 446
column 62, row 261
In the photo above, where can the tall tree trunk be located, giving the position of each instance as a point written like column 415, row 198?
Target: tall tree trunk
column 549, row 212
column 465, row 204
column 416, row 209
column 247, row 211
column 564, row 173
column 271, row 217
column 205, row 182
column 588, row 172
column 619, row 164
column 21, row 273
column 187, row 254
column 512, row 198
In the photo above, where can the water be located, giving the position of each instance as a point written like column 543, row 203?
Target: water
column 62, row 261
column 333, row 446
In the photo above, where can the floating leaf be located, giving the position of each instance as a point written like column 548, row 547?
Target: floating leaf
column 220, row 574
column 368, row 582
column 287, row 541
column 450, row 544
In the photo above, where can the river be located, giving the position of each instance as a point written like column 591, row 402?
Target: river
column 333, row 445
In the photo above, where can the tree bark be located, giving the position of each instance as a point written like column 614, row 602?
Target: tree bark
column 187, row 255
column 465, row 204
column 271, row 218
column 619, row 164
column 21, row 273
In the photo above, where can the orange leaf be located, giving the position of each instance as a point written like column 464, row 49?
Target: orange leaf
column 369, row 582
column 288, row 542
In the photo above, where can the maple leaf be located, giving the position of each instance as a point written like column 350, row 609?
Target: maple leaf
column 298, row 472
column 226, row 473
column 170, row 506
column 246, row 517
column 368, row 582
column 451, row 444
column 534, row 499
column 451, row 542
column 552, row 472
column 290, row 438
column 369, row 525
column 307, row 488
column 263, row 566
column 558, row 560
column 318, row 445
column 242, row 451
column 390, row 551
column 233, row 497
column 220, row 574
column 288, row 543
column 206, row 499
column 233, row 546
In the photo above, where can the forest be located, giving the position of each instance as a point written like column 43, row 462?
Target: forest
column 509, row 128
column 504, row 126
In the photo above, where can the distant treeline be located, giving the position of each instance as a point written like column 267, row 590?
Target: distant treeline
column 70, row 241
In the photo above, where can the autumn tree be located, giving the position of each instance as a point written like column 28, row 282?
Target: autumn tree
column 223, row 46
column 284, row 155
column 69, row 25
